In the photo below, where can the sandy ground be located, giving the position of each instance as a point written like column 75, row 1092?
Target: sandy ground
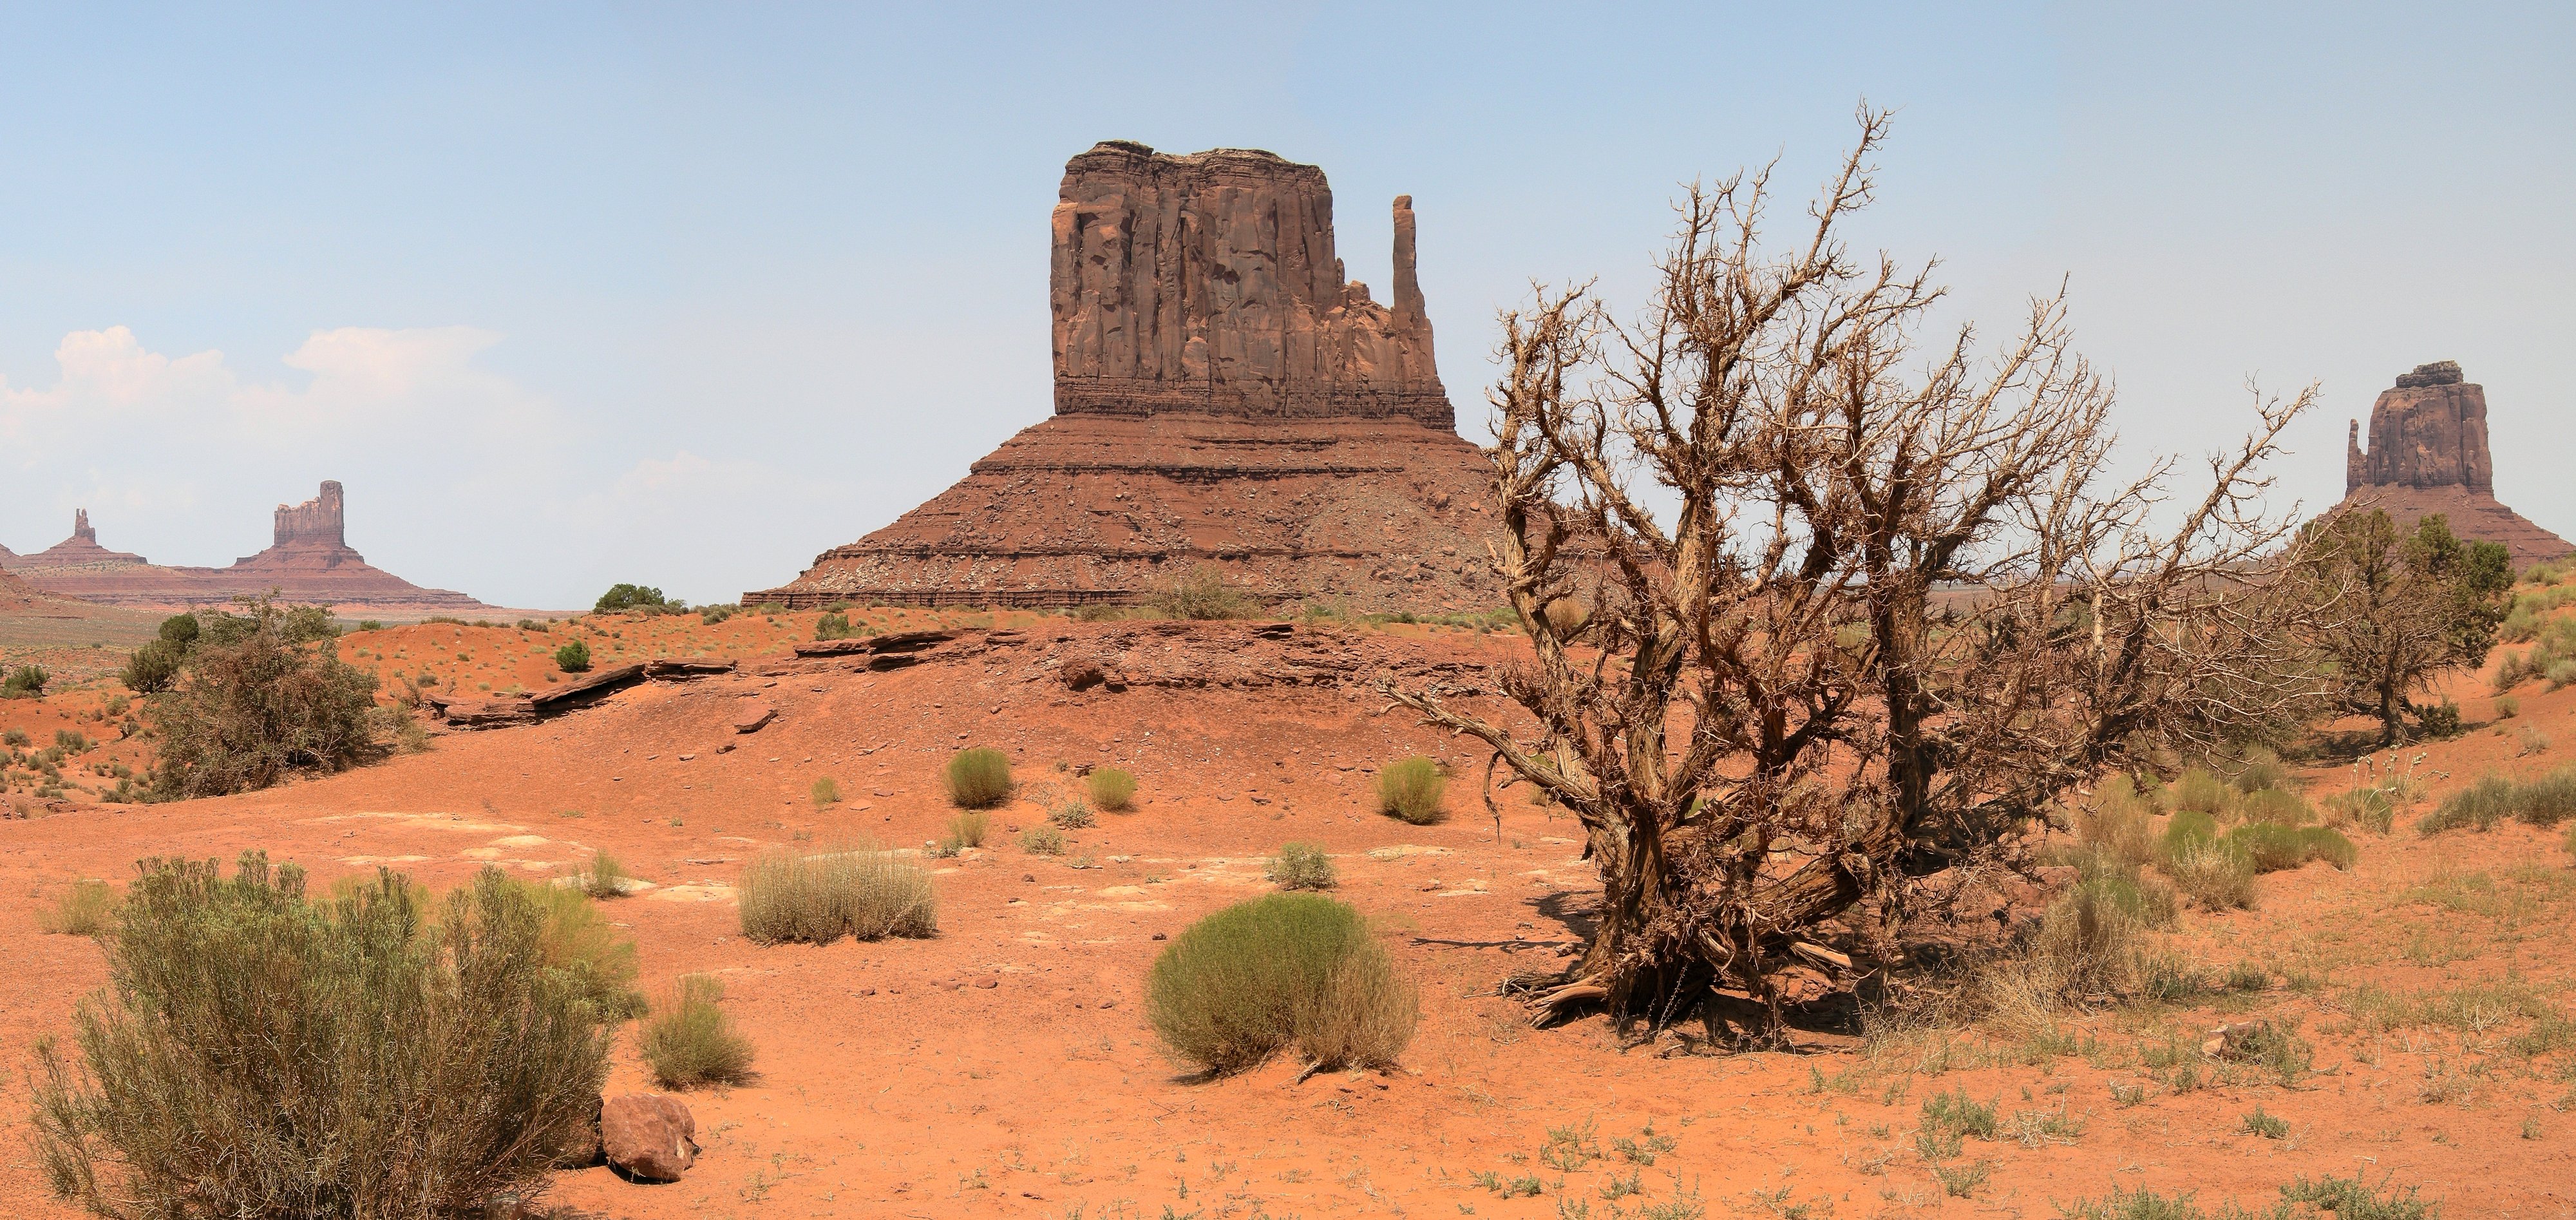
column 1005, row 1067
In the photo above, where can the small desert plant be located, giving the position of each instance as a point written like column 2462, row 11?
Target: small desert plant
column 2508, row 707
column 1411, row 790
column 2184, row 830
column 859, row 891
column 82, row 910
column 2479, row 806
column 2547, row 801
column 2529, row 741
column 691, row 1041
column 979, row 778
column 1203, row 593
column 25, row 682
column 2116, row 822
column 1287, row 970
column 968, row 829
column 2262, row 771
column 2372, row 809
column 259, row 1055
column 1042, row 841
column 573, row 657
column 833, row 625
column 1111, row 788
column 1072, row 815
column 1303, row 866
column 2198, row 791
column 826, row 792
column 152, row 668
column 2269, row 1126
column 2273, row 846
column 2216, row 875
column 2276, row 806
column 603, row 877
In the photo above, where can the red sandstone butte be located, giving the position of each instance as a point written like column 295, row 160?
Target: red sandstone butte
column 308, row 561
column 2428, row 454
column 1223, row 395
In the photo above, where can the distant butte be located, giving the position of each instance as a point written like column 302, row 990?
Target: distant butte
column 308, row 562
column 1223, row 396
column 2428, row 454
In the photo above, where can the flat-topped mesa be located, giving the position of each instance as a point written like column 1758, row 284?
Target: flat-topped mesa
column 2428, row 454
column 1208, row 284
column 2430, row 430
column 315, row 522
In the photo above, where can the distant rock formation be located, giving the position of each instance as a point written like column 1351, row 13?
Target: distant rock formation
column 1222, row 395
column 2428, row 454
column 308, row 561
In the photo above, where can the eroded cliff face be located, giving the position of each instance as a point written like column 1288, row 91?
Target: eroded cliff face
column 2428, row 454
column 315, row 522
column 1207, row 283
column 1223, row 396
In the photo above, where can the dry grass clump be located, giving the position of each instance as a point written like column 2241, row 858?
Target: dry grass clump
column 1410, row 790
column 826, row 792
column 1203, row 593
column 604, row 877
column 1279, row 971
column 966, row 830
column 978, row 778
column 857, row 890
column 1073, row 815
column 1111, row 789
column 1303, row 866
column 257, row 1055
column 691, row 1041
column 2197, row 790
column 2477, row 807
column 2373, row 809
column 1042, row 841
column 85, row 909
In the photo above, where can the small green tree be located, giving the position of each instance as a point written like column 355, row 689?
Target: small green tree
column 573, row 657
column 266, row 702
column 181, row 630
column 635, row 597
column 153, row 667
column 2409, row 607
column 25, row 682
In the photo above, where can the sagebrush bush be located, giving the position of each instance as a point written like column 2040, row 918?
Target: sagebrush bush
column 257, row 1056
column 603, row 877
column 2508, row 707
column 2184, row 830
column 2547, row 801
column 2196, row 790
column 573, row 657
column 2373, row 809
column 2276, row 806
column 1042, row 841
column 262, row 699
column 152, row 668
column 1111, row 788
column 1411, row 790
column 2216, row 875
column 826, row 792
column 25, row 682
column 1303, row 866
column 2117, row 822
column 81, row 910
column 2262, row 771
column 690, row 1041
column 833, row 626
column 2479, row 806
column 859, row 891
column 1072, row 815
column 969, row 828
column 1286, row 970
column 979, row 778
column 2273, row 846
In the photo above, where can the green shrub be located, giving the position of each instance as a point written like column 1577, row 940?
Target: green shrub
column 586, row 949
column 634, row 597
column 14, row 737
column 859, row 891
column 152, row 668
column 1203, row 593
column 2262, row 772
column 2214, row 874
column 82, row 910
column 263, row 699
column 2372, row 809
column 25, row 682
column 2198, row 791
column 979, row 778
column 968, row 829
column 2439, row 720
column 1287, row 970
column 2480, row 806
column 1111, row 788
column 709, row 616
column 2276, row 806
column 2547, row 801
column 2354, row 1199
column 2568, row 844
column 2115, row 822
column 257, row 1055
column 1072, row 815
column 2273, row 846
column 826, row 792
column 1303, row 866
column 2508, row 707
column 2184, row 830
column 691, row 1042
column 573, row 657
column 832, row 626
column 181, row 630
column 604, row 877
column 1042, row 841
column 1410, row 790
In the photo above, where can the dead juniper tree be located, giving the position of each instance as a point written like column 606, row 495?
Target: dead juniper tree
column 1859, row 609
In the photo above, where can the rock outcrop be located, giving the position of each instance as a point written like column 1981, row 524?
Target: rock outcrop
column 2428, row 454
column 649, row 1136
column 308, row 561
column 1223, row 395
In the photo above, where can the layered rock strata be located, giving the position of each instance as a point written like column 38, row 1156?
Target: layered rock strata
column 1223, row 395
column 308, row 561
column 2428, row 454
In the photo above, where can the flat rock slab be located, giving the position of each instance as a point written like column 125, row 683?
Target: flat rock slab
column 649, row 1135
column 751, row 715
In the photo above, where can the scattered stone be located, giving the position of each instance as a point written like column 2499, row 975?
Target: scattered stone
column 651, row 1136
column 750, row 715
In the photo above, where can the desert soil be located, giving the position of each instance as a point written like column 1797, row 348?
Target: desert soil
column 1006, row 1067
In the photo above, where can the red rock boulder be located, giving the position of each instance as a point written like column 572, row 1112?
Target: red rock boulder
column 650, row 1136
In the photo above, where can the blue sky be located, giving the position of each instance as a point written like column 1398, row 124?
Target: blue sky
column 570, row 294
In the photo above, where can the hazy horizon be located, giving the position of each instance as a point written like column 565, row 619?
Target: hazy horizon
column 684, row 296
